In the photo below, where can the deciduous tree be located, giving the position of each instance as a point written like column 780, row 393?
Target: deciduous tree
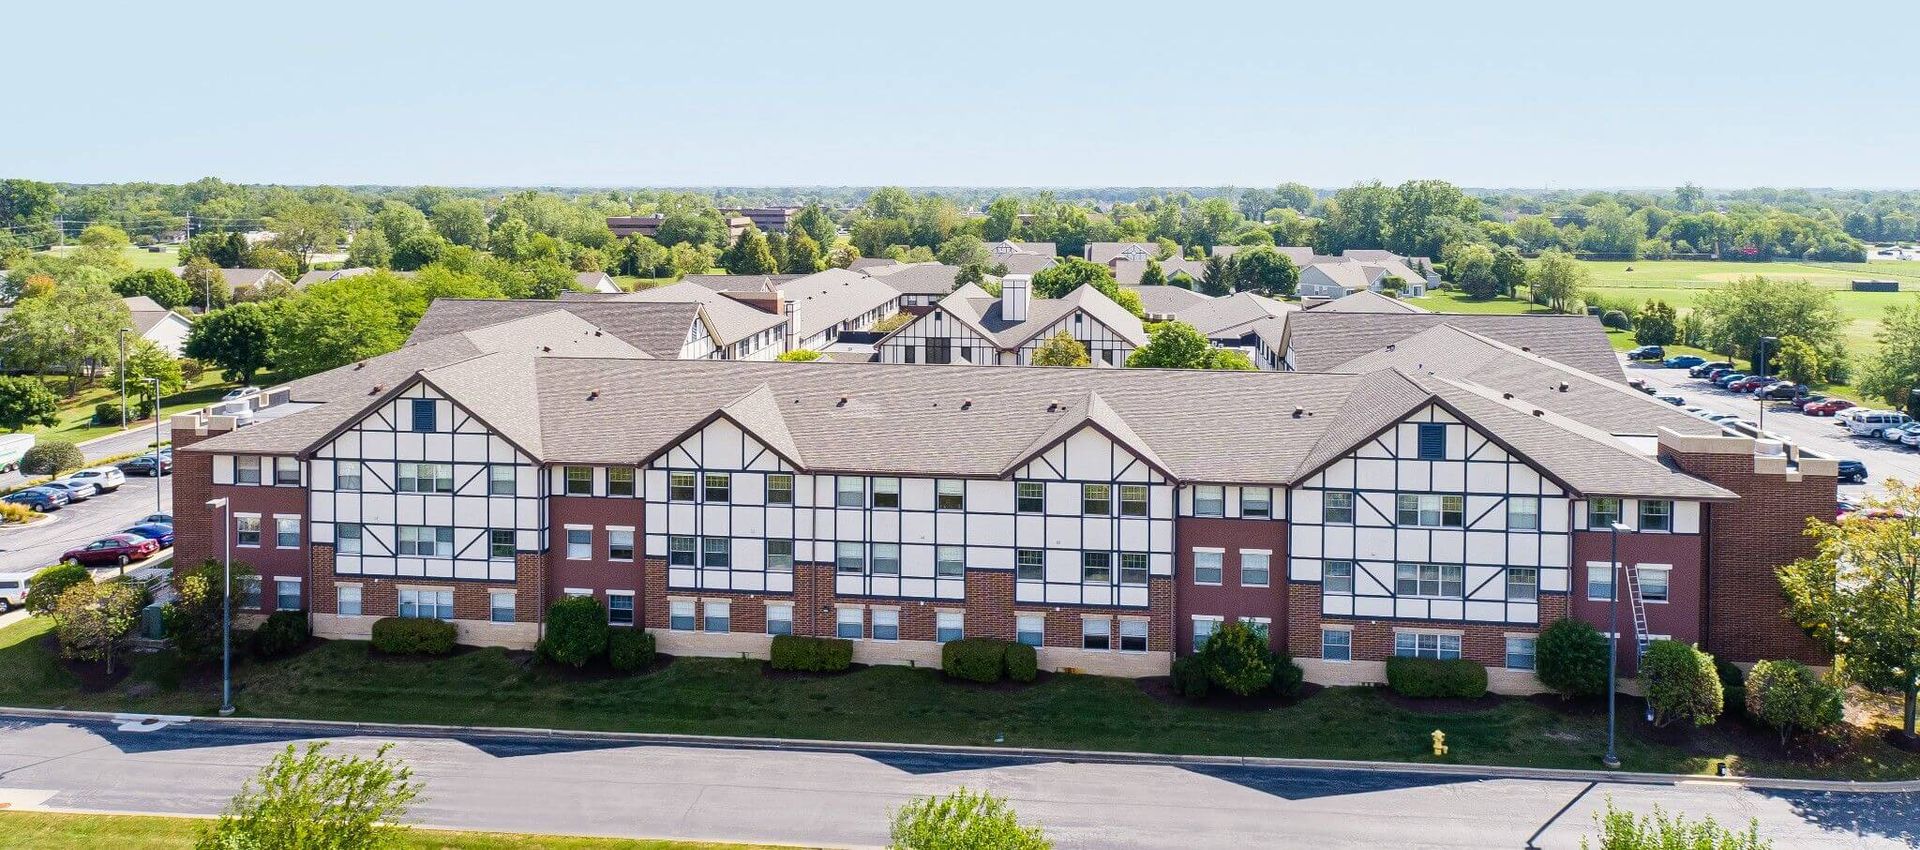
column 1656, row 324
column 1893, row 370
column 95, row 618
column 1172, row 345
column 26, row 402
column 147, row 362
column 1061, row 349
column 1264, row 270
column 308, row 800
column 1556, row 280
column 1739, row 314
column 238, row 339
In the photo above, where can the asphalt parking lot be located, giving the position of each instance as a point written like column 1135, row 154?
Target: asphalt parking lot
column 40, row 544
column 1820, row 433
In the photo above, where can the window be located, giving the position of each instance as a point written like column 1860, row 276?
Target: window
column 886, row 624
column 719, row 487
column 1523, row 584
column 849, row 558
column 500, row 606
column 620, row 481
column 619, row 544
column 1203, row 629
column 1254, row 568
column 1431, row 510
column 1433, row 441
column 680, row 551
column 250, row 592
column 848, row 624
column 1523, row 513
column 1096, row 567
column 886, row 559
column 347, row 600
column 1336, row 577
column 886, row 492
column 780, row 489
column 1429, row 580
column 346, row 538
column 500, row 481
column 426, row 604
column 286, row 594
column 286, row 532
column 346, row 475
column 779, row 556
column 1096, row 633
column 1600, row 581
column 424, row 478
column 939, row 350
column 1260, row 626
column 1133, row 568
column 426, row 540
column 579, row 544
column 1520, row 653
column 1256, row 502
column 1653, row 583
column 680, row 487
column 1030, row 497
column 1206, row 567
column 1133, row 635
column 779, row 619
column 949, row 625
column 849, row 492
column 716, row 553
column 680, row 615
column 950, row 495
column 1426, row 645
column 950, row 561
column 246, row 530
column 1336, row 645
column 1338, row 507
column 1096, row 499
column 424, row 415
column 1030, row 629
column 1030, row 564
column 1656, row 515
column 715, row 615
column 579, row 480
column 1133, row 500
column 246, row 469
column 1602, row 513
column 1209, row 500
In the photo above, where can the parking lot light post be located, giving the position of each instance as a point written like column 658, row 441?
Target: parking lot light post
column 226, row 604
column 1760, row 365
column 159, row 503
column 123, row 378
column 1612, row 758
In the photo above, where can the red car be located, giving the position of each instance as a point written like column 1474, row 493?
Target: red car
column 1827, row 408
column 113, row 549
column 1747, row 385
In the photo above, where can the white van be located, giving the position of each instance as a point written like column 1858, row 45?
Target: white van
column 13, row 591
column 1872, row 423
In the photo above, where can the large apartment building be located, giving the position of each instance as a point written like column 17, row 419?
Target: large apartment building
column 1112, row 518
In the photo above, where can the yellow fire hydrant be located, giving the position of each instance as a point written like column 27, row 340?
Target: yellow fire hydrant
column 1439, row 743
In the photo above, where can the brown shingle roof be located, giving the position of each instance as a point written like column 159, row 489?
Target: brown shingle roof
column 659, row 329
column 1323, row 340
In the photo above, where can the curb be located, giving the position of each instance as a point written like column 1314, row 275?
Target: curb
column 1081, row 756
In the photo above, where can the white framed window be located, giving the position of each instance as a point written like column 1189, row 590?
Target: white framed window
column 780, row 489
column 246, row 530
column 949, row 625
column 250, row 592
column 286, row 532
column 1203, row 629
column 1426, row 645
column 886, row 624
column 346, row 475
column 1030, row 629
column 426, row 604
column 1096, row 567
column 620, row 608
column 1209, row 500
column 886, row 559
column 780, row 619
column 286, row 594
column 579, row 543
column 427, row 541
column 886, row 492
column 718, row 487
column 346, row 600
column 1133, row 569
column 1431, row 510
column 1336, row 507
column 848, row 623
column 1096, row 633
column 779, row 556
column 579, row 480
column 1336, row 645
column 1096, row 499
column 500, row 606
column 717, row 614
column 1133, row 500
column 246, row 469
column 1030, row 564
column 1207, row 566
column 346, row 539
column 1602, row 513
column 619, row 544
column 1656, row 515
column 1600, row 581
column 1133, row 635
column 1523, row 513
column 1523, row 584
column 950, row 561
column 1437, row 580
column 681, row 551
column 849, row 558
column 1256, row 568
column 1256, row 502
column 950, row 495
column 1336, row 577
column 500, row 544
column 680, row 615
column 424, row 478
column 850, row 492
column 1030, row 497
column 286, row 471
column 716, row 553
column 681, row 487
column 1519, row 653
column 1653, row 583
column 620, row 481
column 500, row 481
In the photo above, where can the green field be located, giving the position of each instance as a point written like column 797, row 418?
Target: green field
column 141, row 258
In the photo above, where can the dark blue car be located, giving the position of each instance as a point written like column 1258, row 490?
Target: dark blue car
column 154, row 531
column 41, row 499
column 1853, row 470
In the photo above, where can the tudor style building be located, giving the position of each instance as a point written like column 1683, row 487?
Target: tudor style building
column 973, row 327
column 1112, row 518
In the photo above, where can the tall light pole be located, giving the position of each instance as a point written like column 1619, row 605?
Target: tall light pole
column 226, row 603
column 159, row 503
column 1612, row 758
column 1760, row 364
column 123, row 378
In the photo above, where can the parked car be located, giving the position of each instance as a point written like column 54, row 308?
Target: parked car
column 1830, row 407
column 1647, row 352
column 147, row 465
column 105, row 479
column 1854, row 471
column 1911, row 439
column 1781, row 390
column 41, row 499
column 162, row 519
column 1702, row 369
column 241, row 412
column 1729, row 379
column 1896, row 435
column 13, row 590
column 1748, row 384
column 76, row 492
column 155, row 531
column 1674, row 400
column 1683, row 361
column 240, row 394
column 113, row 549
column 1800, row 402
column 1874, row 423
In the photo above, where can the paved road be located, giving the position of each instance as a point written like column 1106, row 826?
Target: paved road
column 112, row 444
column 40, row 544
column 538, row 783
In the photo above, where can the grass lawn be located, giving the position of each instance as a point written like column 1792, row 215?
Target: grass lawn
column 490, row 687
column 76, row 413
column 141, row 258
column 52, row 831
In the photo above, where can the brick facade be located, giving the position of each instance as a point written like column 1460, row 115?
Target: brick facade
column 1485, row 643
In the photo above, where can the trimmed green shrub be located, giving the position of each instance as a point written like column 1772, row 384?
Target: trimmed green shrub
column 413, row 636
column 1680, row 683
column 1433, row 678
column 1733, row 686
column 1237, row 659
column 52, row 457
column 1789, row 697
column 811, row 654
column 44, row 589
column 974, row 659
column 630, row 650
column 1023, row 663
column 576, row 631
column 1616, row 319
column 282, row 633
column 1287, row 676
column 1570, row 656
column 1190, row 677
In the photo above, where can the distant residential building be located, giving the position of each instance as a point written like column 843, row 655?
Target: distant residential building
column 1005, row 247
column 325, row 275
column 971, row 326
column 769, row 219
column 919, row 284
column 240, row 279
column 624, row 226
column 1128, row 272
column 1106, row 253
column 159, row 325
column 1167, row 303
column 595, row 282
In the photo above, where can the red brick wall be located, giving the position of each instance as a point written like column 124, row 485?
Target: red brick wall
column 1485, row 643
column 1679, row 617
column 598, row 574
column 1229, row 599
column 196, row 530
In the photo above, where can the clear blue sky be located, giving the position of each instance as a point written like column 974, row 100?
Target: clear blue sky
column 1034, row 93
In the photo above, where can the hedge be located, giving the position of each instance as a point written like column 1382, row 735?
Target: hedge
column 1680, row 683
column 974, row 659
column 1571, row 657
column 630, row 650
column 1287, row 676
column 1023, row 663
column 413, row 636
column 1428, row 677
column 1190, row 678
column 576, row 631
column 282, row 633
column 811, row 654
column 52, row 457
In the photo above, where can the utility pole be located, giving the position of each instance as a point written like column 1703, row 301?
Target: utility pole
column 123, row 379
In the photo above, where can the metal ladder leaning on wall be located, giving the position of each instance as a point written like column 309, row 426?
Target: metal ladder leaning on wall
column 1639, row 603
